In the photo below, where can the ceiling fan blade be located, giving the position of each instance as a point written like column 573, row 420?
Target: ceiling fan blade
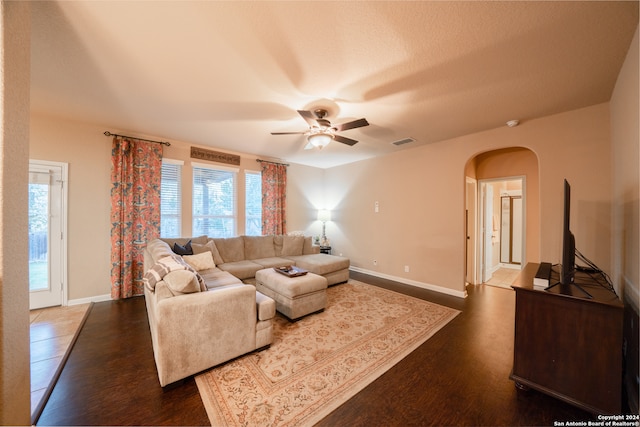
column 309, row 117
column 352, row 125
column 288, row 133
column 344, row 140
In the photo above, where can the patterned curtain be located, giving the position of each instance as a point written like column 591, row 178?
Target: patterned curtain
column 274, row 198
column 135, row 211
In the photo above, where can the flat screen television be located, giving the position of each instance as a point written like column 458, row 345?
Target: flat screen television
column 568, row 263
column 566, row 283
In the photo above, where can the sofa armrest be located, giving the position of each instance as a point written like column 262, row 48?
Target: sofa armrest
column 197, row 331
column 266, row 306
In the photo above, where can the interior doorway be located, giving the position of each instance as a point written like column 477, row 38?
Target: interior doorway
column 498, row 169
column 502, row 234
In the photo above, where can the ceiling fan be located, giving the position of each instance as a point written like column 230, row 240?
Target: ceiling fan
column 321, row 132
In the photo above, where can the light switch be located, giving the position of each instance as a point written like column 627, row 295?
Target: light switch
column 376, row 207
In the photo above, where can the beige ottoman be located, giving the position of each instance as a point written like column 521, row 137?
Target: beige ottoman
column 294, row 296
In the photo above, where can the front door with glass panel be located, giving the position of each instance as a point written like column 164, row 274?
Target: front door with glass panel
column 47, row 269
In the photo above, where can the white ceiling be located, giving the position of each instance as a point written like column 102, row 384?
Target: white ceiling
column 226, row 74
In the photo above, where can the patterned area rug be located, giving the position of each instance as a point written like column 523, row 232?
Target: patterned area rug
column 316, row 364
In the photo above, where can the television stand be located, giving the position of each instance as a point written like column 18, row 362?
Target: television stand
column 567, row 346
column 566, row 289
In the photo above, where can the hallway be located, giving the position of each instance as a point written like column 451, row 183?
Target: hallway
column 503, row 277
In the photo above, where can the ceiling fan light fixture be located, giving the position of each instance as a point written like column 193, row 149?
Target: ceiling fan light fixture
column 320, row 140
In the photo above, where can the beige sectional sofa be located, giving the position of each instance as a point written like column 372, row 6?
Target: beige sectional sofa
column 244, row 255
column 202, row 314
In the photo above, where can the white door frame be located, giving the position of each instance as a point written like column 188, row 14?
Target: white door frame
column 482, row 215
column 471, row 231
column 58, row 238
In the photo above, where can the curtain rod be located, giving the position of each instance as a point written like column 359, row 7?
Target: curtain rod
column 107, row 133
column 275, row 163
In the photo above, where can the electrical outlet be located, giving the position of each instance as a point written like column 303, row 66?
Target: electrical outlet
column 375, row 262
column 406, row 268
column 376, row 207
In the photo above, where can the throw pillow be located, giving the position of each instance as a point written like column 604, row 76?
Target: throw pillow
column 203, row 286
column 183, row 250
column 161, row 268
column 182, row 282
column 209, row 246
column 201, row 261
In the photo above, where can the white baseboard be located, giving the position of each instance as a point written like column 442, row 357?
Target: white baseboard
column 459, row 294
column 98, row 298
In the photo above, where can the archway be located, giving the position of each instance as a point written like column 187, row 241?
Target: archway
column 500, row 166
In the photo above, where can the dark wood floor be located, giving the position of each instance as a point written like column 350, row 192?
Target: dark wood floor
column 458, row 377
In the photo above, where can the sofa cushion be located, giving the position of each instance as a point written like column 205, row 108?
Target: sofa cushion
column 273, row 262
column 292, row 245
column 202, row 261
column 241, row 269
column 231, row 248
column 209, row 246
column 308, row 247
column 256, row 247
column 216, row 278
column 277, row 244
column 321, row 263
column 182, row 282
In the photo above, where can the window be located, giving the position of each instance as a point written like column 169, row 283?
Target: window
column 214, row 201
column 171, row 199
column 253, row 203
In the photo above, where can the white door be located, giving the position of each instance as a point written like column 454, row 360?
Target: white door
column 47, row 234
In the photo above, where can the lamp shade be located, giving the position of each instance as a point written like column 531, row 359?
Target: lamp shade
column 320, row 139
column 324, row 215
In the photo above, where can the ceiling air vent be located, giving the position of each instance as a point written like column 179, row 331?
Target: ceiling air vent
column 403, row 141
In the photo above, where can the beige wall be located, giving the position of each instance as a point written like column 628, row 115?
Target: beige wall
column 625, row 115
column 88, row 153
column 15, row 25
column 421, row 198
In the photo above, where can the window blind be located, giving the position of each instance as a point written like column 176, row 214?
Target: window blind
column 214, row 202
column 253, row 203
column 171, row 199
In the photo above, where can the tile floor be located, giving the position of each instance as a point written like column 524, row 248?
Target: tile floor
column 52, row 331
column 503, row 277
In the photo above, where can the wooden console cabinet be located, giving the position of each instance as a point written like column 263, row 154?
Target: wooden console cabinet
column 568, row 346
